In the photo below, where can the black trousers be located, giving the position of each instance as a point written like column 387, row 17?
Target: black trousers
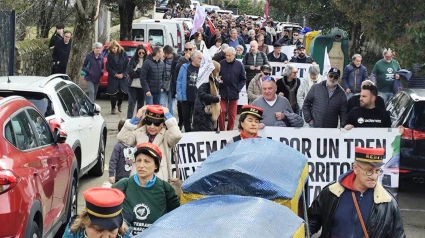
column 135, row 95
column 187, row 111
column 180, row 113
column 116, row 100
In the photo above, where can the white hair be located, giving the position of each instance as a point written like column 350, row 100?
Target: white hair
column 240, row 47
column 355, row 56
column 230, row 50
column 194, row 54
column 314, row 70
column 386, row 51
column 97, row 45
column 224, row 46
column 288, row 69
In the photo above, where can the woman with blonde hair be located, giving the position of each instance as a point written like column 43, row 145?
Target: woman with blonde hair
column 207, row 103
column 154, row 124
column 116, row 66
column 101, row 218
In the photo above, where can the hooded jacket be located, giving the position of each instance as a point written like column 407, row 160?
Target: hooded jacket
column 383, row 221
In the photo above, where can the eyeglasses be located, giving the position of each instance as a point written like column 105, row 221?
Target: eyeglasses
column 369, row 172
column 149, row 123
column 334, row 76
column 266, row 73
column 294, row 72
column 187, row 49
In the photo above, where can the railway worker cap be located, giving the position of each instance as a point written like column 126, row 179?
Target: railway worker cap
column 374, row 156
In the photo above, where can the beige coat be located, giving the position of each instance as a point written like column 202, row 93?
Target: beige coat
column 165, row 140
column 255, row 89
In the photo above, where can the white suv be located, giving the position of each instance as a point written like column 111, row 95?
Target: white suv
column 65, row 105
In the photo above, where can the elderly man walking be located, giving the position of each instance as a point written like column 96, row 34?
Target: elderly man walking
column 253, row 61
column 357, row 205
column 233, row 79
column 354, row 75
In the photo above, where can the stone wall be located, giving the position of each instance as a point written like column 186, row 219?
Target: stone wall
column 33, row 57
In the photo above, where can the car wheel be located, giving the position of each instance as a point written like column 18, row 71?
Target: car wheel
column 35, row 231
column 98, row 169
column 71, row 207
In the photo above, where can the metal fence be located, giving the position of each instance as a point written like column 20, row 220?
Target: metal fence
column 7, row 42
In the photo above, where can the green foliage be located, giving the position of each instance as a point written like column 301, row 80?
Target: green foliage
column 411, row 47
column 247, row 7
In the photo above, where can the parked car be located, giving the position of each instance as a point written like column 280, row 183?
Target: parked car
column 130, row 49
column 38, row 173
column 66, row 106
column 161, row 6
column 407, row 109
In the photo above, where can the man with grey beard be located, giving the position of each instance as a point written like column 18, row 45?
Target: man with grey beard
column 326, row 103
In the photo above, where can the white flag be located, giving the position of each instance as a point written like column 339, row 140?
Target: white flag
column 198, row 19
column 326, row 63
column 205, row 69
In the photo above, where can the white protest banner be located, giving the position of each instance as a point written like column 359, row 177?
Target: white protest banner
column 330, row 152
column 277, row 69
column 205, row 69
column 326, row 63
column 288, row 50
column 198, row 19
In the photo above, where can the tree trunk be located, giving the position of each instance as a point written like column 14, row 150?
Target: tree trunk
column 126, row 11
column 82, row 38
column 357, row 39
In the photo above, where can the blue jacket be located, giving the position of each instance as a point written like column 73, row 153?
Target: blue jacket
column 182, row 83
column 350, row 75
column 233, row 77
column 95, row 71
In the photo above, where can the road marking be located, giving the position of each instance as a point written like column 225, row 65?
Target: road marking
column 412, row 210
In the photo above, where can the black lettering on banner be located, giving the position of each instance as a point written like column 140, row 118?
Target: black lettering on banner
column 369, row 143
column 304, row 146
column 326, row 172
column 210, row 148
column 311, row 171
column 182, row 146
column 320, row 171
column 200, row 150
column 301, row 72
column 348, row 142
column 315, row 191
column 191, row 152
column 283, row 140
column 328, row 152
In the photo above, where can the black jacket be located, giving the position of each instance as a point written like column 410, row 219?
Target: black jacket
column 55, row 37
column 219, row 56
column 324, row 111
column 61, row 53
column 306, row 60
column 282, row 89
column 384, row 220
column 152, row 75
column 120, row 67
column 202, row 121
column 282, row 57
column 133, row 74
column 176, row 69
column 354, row 101
column 233, row 77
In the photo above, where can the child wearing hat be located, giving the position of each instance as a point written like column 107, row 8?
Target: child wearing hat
column 154, row 124
column 121, row 161
column 249, row 122
column 147, row 197
column 101, row 218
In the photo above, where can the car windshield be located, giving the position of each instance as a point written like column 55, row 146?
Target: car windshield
column 40, row 100
column 129, row 50
column 417, row 118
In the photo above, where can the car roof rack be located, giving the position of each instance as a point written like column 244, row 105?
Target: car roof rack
column 9, row 99
column 53, row 76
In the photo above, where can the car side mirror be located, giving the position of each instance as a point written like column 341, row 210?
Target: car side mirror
column 59, row 136
column 97, row 109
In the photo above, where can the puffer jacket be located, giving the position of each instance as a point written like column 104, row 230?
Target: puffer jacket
column 152, row 75
column 384, row 219
column 305, row 86
column 248, row 61
column 291, row 120
column 233, row 77
column 166, row 139
column 202, row 121
column 255, row 90
column 354, row 76
column 324, row 111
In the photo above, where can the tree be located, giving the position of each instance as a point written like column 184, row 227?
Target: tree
column 250, row 8
column 82, row 39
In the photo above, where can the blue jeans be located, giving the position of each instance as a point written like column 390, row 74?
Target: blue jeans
column 92, row 87
column 386, row 95
column 155, row 99
column 167, row 101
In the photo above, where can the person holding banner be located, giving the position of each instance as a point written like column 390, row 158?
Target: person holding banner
column 288, row 86
column 207, row 107
column 233, row 79
column 312, row 78
column 249, row 122
column 276, row 55
column 301, row 57
column 357, row 205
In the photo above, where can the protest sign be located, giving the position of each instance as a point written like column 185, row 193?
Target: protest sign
column 330, row 152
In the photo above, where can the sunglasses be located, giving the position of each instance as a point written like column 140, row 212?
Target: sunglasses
column 266, row 73
column 334, row 76
column 268, row 79
column 141, row 53
column 187, row 49
column 149, row 123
